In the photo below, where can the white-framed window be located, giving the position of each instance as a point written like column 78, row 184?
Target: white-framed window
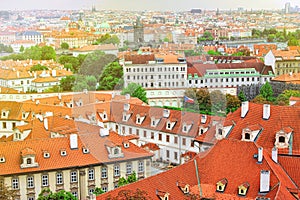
column 59, row 178
column 91, row 174
column 104, row 172
column 45, row 181
column 30, row 182
column 104, row 188
column 91, row 190
column 15, row 183
column 73, row 176
column 75, row 194
column 141, row 166
column 30, row 198
column 128, row 168
column 116, row 170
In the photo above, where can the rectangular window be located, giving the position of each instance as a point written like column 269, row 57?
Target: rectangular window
column 175, row 140
column 168, row 153
column 30, row 182
column 141, row 166
column 116, row 170
column 104, row 172
column 175, row 155
column 15, row 183
column 137, row 132
column 183, row 141
column 45, row 181
column 73, row 177
column 167, row 138
column 128, row 168
column 159, row 136
column 192, row 143
column 91, row 174
column 59, row 178
column 130, row 130
column 152, row 135
column 104, row 188
column 4, row 125
column 145, row 134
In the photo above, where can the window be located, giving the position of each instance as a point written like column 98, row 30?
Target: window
column 175, row 155
column 220, row 131
column 128, row 168
column 247, row 136
column 74, row 177
column 30, row 198
column 104, row 172
column 15, row 183
column 75, row 193
column 159, row 137
column 91, row 174
column 116, row 170
column 141, row 166
column 168, row 125
column 91, row 190
column 192, row 143
column 116, row 151
column 168, row 153
column 152, row 135
column 145, row 134
column 167, row 138
column 175, row 140
column 59, row 178
column 104, row 188
column 30, row 182
column 28, row 161
column 183, row 141
column 282, row 139
column 4, row 125
column 130, row 130
column 45, row 180
column 137, row 132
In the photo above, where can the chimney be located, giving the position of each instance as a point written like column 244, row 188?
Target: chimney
column 18, row 74
column 266, row 111
column 46, row 123
column 275, row 154
column 264, row 181
column 244, row 109
column 166, row 113
column 126, row 107
column 260, row 155
column 127, row 96
column 54, row 73
column 73, row 141
column 203, row 119
column 104, row 132
column 59, row 96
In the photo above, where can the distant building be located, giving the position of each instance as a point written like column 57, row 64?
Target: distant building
column 35, row 36
column 196, row 11
column 138, row 32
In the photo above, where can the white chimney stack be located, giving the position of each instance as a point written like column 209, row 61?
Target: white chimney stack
column 275, row 154
column 264, row 181
column 266, row 111
column 260, row 155
column 126, row 107
column 166, row 113
column 104, row 132
column 127, row 96
column 46, row 123
column 203, row 119
column 74, row 141
column 54, row 73
column 244, row 109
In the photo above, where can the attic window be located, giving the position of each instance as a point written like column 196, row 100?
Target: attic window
column 168, row 125
column 221, row 185
column 282, row 139
column 116, row 151
column 242, row 189
column 63, row 152
column 85, row 150
column 28, row 161
column 138, row 120
column 184, row 129
column 247, row 136
column 46, row 155
column 104, row 116
column 126, row 145
column 2, row 160
column 220, row 131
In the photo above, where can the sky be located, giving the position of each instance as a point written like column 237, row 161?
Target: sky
column 172, row 5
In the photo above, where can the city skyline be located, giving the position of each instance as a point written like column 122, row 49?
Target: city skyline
column 143, row 4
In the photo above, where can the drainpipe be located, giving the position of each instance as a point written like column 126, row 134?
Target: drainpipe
column 198, row 178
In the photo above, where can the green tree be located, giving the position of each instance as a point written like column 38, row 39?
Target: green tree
column 111, row 76
column 64, row 45
column 21, row 48
column 218, row 102
column 48, row 53
column 38, row 67
column 260, row 99
column 242, row 97
column 266, row 92
column 47, row 194
column 122, row 181
column 232, row 103
column 98, row 191
column 95, row 62
column 293, row 42
column 213, row 53
column 6, row 192
column 91, row 82
column 67, row 83
column 55, row 88
column 135, row 90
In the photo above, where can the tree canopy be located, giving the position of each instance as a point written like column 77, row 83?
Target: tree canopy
column 111, row 76
column 38, row 67
column 108, row 39
column 266, row 92
column 135, row 90
column 47, row 194
column 64, row 45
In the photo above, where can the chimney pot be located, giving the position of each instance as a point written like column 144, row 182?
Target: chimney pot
column 260, row 155
column 266, row 111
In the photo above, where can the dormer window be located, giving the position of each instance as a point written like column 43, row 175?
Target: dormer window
column 247, row 136
column 46, row 154
column 220, row 131
column 154, row 121
column 2, row 159
column 126, row 116
column 126, row 145
column 63, row 152
column 4, row 113
column 184, row 129
column 114, row 152
column 187, row 127
column 242, row 189
column 162, row 195
column 170, row 124
column 104, row 116
column 282, row 137
column 221, row 185
column 139, row 119
column 85, row 150
column 28, row 158
column 185, row 188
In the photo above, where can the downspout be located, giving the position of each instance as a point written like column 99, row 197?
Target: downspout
column 198, row 178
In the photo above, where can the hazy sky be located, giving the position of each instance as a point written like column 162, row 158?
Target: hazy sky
column 144, row 4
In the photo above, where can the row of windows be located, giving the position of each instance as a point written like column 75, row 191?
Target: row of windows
column 138, row 77
column 227, row 80
column 159, row 69
column 166, row 84
column 222, row 73
column 59, row 179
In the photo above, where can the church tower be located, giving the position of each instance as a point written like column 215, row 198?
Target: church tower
column 138, row 32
